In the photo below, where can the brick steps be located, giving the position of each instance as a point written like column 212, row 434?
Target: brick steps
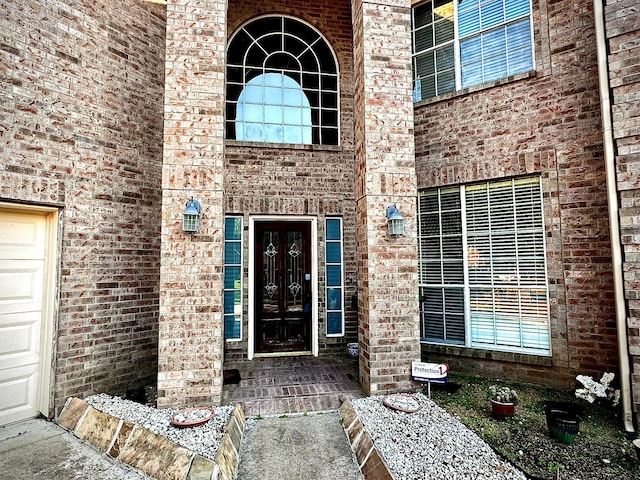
column 283, row 385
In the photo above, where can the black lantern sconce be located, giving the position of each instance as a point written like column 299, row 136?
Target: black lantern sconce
column 395, row 221
column 191, row 217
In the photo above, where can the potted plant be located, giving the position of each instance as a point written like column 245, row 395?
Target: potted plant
column 503, row 401
column 563, row 420
column 353, row 350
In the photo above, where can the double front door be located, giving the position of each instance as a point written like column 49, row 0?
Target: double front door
column 283, row 287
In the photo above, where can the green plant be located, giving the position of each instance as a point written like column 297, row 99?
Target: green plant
column 525, row 439
column 502, row 394
column 551, row 466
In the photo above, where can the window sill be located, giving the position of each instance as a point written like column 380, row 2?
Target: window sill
column 497, row 355
column 483, row 86
column 283, row 146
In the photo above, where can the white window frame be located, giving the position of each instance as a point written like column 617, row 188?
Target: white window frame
column 417, row 96
column 467, row 285
column 341, row 286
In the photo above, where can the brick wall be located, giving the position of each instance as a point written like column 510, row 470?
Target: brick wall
column 623, row 34
column 545, row 122
column 311, row 180
column 385, row 175
column 190, row 353
column 81, row 128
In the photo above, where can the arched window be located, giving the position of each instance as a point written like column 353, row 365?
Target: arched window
column 273, row 108
column 282, row 84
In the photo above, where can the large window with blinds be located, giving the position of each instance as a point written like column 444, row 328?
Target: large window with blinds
column 462, row 43
column 482, row 266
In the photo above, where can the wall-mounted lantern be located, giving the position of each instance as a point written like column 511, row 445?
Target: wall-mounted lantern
column 191, row 217
column 395, row 221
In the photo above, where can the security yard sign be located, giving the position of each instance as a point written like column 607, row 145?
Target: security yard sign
column 429, row 373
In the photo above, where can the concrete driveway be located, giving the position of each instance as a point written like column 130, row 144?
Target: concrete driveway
column 38, row 449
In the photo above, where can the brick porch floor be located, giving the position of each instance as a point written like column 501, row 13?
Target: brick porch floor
column 280, row 385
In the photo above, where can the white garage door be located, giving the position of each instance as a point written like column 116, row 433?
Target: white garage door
column 22, row 268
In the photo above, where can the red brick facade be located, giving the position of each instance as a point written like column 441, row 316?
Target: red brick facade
column 113, row 112
column 190, row 345
column 310, row 180
column 623, row 34
column 385, row 175
column 81, row 130
column 545, row 122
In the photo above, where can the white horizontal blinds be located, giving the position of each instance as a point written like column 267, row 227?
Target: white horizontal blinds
column 506, row 259
column 433, row 48
column 441, row 266
column 495, row 39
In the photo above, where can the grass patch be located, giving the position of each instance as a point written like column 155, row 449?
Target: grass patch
column 600, row 451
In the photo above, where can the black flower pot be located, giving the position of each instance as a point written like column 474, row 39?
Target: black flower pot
column 636, row 446
column 563, row 420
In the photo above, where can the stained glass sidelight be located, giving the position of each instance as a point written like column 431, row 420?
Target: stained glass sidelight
column 334, row 278
column 233, row 278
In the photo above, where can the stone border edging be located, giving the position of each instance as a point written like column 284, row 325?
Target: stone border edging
column 153, row 454
column 370, row 462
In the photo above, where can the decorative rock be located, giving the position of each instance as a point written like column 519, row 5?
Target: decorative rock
column 429, row 443
column 402, row 402
column 192, row 417
column 203, row 440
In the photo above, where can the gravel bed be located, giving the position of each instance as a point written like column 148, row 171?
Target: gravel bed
column 204, row 440
column 429, row 443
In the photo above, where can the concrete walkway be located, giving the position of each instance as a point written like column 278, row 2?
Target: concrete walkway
column 310, row 446
column 37, row 449
column 297, row 447
column 271, row 445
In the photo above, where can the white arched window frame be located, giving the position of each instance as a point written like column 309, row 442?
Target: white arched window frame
column 282, row 84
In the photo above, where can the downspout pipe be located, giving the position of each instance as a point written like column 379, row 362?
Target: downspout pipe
column 614, row 220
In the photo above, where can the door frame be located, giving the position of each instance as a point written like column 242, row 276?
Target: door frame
column 48, row 327
column 313, row 240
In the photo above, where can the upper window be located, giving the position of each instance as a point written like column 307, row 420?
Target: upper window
column 482, row 266
column 282, row 84
column 459, row 44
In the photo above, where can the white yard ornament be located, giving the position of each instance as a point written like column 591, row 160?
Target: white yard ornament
column 601, row 389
